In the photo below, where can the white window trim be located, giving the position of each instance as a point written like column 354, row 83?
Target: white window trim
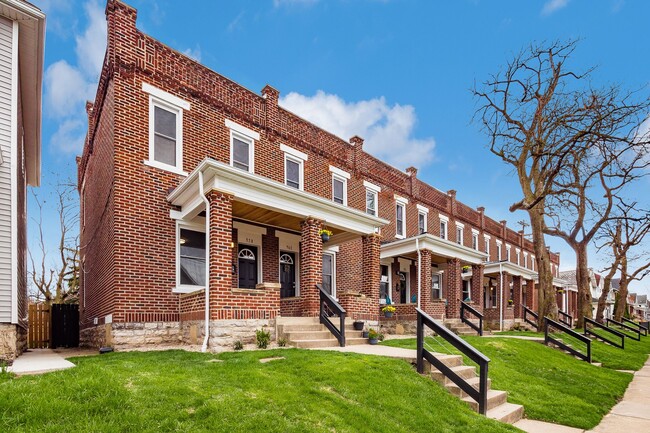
column 293, row 152
column 242, row 129
column 161, row 95
column 532, row 263
column 185, row 288
column 460, row 225
column 336, row 176
column 446, row 223
column 518, row 255
column 401, row 199
column 443, row 217
column 525, row 259
column 339, row 172
column 403, row 205
column 475, row 238
column 251, row 149
column 424, row 213
column 460, row 228
column 155, row 101
column 440, row 275
column 376, row 195
column 422, row 209
column 371, row 186
column 333, row 254
column 486, row 239
column 301, row 169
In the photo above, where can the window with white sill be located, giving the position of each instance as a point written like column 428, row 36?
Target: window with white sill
column 400, row 220
column 443, row 229
column 371, row 202
column 190, row 263
column 422, row 222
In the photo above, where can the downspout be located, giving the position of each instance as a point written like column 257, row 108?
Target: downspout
column 501, row 297
column 417, row 247
column 204, row 348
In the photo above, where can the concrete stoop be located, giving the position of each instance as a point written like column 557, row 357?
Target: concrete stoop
column 498, row 406
column 595, row 364
column 309, row 333
column 460, row 328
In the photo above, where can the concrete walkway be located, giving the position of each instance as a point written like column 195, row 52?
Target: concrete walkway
column 37, row 361
column 379, row 350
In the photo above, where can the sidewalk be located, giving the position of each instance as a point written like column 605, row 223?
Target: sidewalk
column 36, row 361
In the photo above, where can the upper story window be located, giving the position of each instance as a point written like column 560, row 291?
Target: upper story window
column 460, row 228
column 423, row 213
column 294, row 167
column 444, row 221
column 487, row 239
column 372, row 194
column 508, row 252
column 517, row 255
column 242, row 146
column 532, row 263
column 400, row 216
column 165, row 129
column 339, row 185
column 525, row 260
column 498, row 250
column 474, row 240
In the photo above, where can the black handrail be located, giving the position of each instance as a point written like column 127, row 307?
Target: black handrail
column 548, row 339
column 642, row 329
column 565, row 318
column 614, row 332
column 479, row 395
column 326, row 300
column 466, row 307
column 529, row 312
column 636, row 332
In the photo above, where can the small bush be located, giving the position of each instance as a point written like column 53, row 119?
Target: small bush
column 262, row 338
column 238, row 345
column 282, row 342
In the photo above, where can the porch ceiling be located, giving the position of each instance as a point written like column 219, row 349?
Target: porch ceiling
column 493, row 268
column 441, row 249
column 263, row 200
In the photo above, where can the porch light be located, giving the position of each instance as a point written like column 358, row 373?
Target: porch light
column 183, row 241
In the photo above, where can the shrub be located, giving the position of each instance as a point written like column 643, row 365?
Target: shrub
column 282, row 342
column 238, row 345
column 262, row 338
column 373, row 334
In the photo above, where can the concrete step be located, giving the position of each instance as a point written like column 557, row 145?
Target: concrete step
column 308, row 335
column 474, row 382
column 297, row 328
column 310, row 344
column 296, row 320
column 494, row 398
column 508, row 413
column 450, row 360
column 354, row 341
column 464, row 371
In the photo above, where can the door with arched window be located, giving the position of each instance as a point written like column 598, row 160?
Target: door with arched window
column 247, row 264
column 287, row 275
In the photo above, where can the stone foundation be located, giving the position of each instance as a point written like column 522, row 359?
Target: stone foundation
column 13, row 342
column 398, row 327
column 224, row 333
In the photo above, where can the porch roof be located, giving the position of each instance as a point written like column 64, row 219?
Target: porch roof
column 510, row 268
column 559, row 282
column 438, row 246
column 259, row 191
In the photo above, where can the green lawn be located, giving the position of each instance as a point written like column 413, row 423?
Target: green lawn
column 177, row 391
column 551, row 385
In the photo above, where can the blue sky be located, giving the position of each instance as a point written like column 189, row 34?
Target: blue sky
column 396, row 72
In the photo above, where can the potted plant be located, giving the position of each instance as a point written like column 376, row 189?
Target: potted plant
column 388, row 311
column 325, row 234
column 466, row 269
column 358, row 325
column 374, row 336
column 510, row 302
column 364, row 334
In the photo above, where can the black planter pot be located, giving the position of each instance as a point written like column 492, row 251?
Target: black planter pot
column 373, row 341
column 358, row 326
column 364, row 334
column 325, row 237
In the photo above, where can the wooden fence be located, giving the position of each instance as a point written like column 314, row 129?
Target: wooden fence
column 39, row 326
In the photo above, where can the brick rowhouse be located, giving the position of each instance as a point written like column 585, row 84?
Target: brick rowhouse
column 166, row 135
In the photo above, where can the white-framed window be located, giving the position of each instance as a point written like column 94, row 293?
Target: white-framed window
column 423, row 216
column 518, row 255
column 525, row 259
column 444, row 222
column 339, row 185
column 532, row 263
column 400, row 220
column 460, row 228
column 475, row 239
column 372, row 198
column 508, row 252
column 242, row 146
column 294, row 167
column 190, row 257
column 165, row 129
column 329, row 273
column 487, row 239
column 467, row 290
column 436, row 286
column 499, row 244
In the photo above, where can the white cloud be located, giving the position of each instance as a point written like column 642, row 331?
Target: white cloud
column 234, row 24
column 69, row 86
column 279, row 3
column 194, row 53
column 552, row 6
column 387, row 130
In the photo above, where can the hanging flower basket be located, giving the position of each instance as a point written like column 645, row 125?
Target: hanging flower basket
column 325, row 235
column 388, row 311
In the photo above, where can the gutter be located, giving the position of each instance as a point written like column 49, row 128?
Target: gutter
column 417, row 246
column 204, row 347
column 501, row 297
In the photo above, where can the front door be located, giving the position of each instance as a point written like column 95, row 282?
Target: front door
column 247, row 266
column 287, row 275
column 402, row 288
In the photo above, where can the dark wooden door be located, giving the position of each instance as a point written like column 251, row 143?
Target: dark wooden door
column 247, row 266
column 287, row 275
column 402, row 287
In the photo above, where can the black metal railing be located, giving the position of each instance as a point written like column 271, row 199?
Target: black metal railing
column 603, row 337
column 528, row 313
column 329, row 308
column 464, row 307
column 480, row 394
column 565, row 318
column 642, row 329
column 548, row 338
column 629, row 332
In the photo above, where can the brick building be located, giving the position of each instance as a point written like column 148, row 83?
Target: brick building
column 189, row 181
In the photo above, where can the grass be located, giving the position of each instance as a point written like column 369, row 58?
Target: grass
column 177, row 391
column 552, row 386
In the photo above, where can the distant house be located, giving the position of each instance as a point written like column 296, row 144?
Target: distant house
column 22, row 34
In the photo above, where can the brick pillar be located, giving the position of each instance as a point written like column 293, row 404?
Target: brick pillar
column 270, row 257
column 371, row 248
column 454, row 289
column 530, row 294
column 476, row 288
column 426, row 288
column 311, row 266
column 517, row 297
column 220, row 248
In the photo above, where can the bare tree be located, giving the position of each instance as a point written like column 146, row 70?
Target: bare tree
column 57, row 281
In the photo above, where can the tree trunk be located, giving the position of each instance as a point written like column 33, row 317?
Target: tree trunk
column 582, row 279
column 622, row 292
column 602, row 301
column 547, row 306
